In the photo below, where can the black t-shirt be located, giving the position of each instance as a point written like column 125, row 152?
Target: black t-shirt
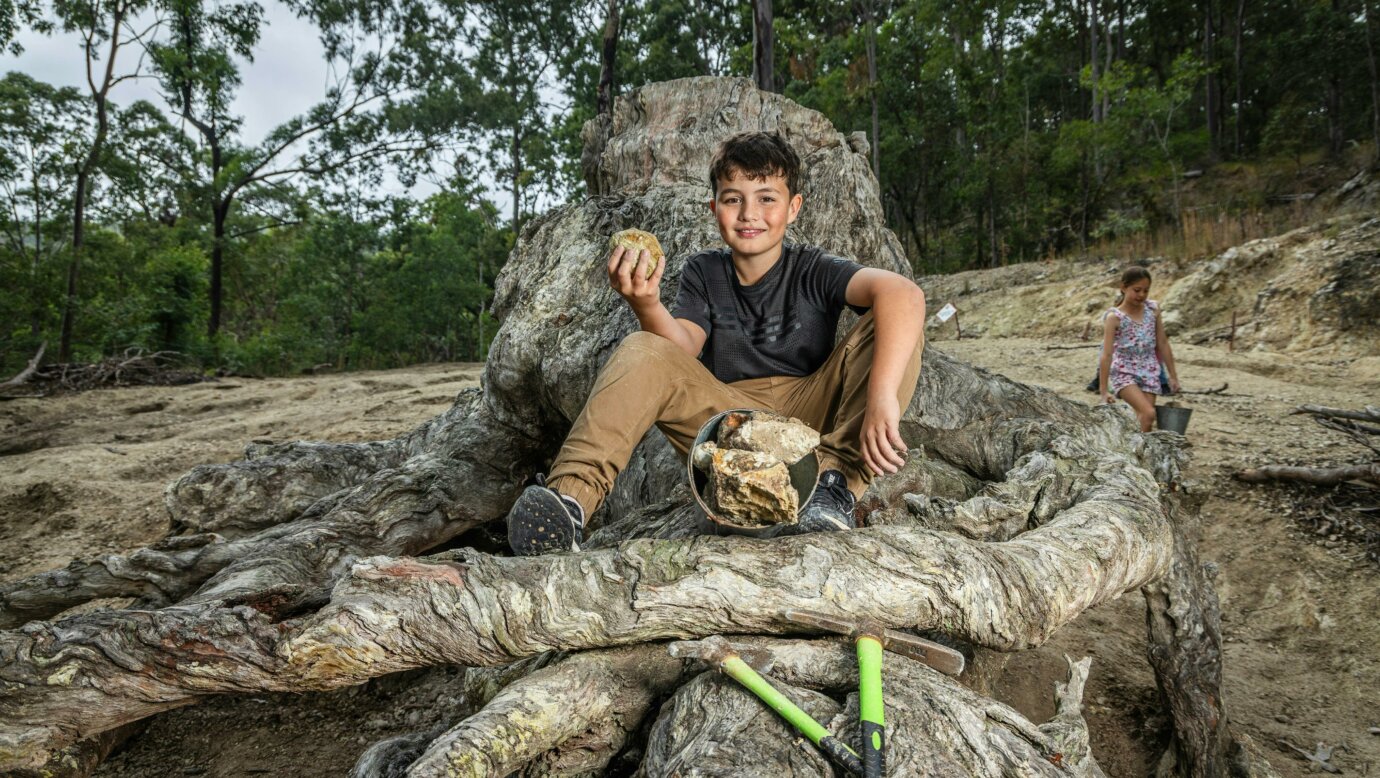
column 783, row 325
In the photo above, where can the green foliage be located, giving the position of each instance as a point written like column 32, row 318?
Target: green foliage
column 998, row 140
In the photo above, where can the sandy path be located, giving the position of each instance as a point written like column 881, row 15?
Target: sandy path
column 84, row 473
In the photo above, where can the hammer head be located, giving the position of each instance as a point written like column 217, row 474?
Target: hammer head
column 942, row 658
column 715, row 650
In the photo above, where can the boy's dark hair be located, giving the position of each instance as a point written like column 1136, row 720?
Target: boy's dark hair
column 756, row 155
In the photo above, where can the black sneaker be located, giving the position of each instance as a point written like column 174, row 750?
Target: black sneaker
column 544, row 521
column 830, row 508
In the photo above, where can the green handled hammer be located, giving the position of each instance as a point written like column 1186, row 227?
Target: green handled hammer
column 871, row 638
column 717, row 651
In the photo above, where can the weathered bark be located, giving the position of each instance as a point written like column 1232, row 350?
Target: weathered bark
column 935, row 727
column 1072, row 515
column 285, row 568
column 275, row 483
column 713, row 727
column 1186, row 651
column 569, row 718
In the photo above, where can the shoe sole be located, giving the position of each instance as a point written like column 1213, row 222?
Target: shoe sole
column 539, row 523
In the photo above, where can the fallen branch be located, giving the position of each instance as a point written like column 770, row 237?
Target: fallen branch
column 1317, row 476
column 1357, row 432
column 1370, row 413
column 1214, row 390
column 1060, row 347
column 1225, row 332
column 27, row 371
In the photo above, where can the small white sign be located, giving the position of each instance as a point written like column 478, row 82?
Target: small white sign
column 946, row 313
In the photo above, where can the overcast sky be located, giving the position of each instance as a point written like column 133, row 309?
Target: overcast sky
column 287, row 76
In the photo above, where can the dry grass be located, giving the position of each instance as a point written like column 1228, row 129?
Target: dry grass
column 1203, row 234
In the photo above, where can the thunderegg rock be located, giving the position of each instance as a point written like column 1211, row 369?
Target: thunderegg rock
column 784, row 438
column 637, row 240
column 748, row 469
column 748, row 488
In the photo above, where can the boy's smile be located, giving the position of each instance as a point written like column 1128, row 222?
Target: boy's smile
column 752, row 216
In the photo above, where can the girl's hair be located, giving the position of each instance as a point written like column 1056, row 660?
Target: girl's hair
column 1131, row 275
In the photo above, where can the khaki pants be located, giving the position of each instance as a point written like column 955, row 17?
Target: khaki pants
column 650, row 380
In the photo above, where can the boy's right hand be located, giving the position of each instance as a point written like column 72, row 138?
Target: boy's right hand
column 628, row 277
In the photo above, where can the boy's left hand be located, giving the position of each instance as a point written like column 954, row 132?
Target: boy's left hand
column 882, row 446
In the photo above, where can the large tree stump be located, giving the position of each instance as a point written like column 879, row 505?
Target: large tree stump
column 294, row 569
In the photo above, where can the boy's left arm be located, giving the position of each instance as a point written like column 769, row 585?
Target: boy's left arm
column 898, row 313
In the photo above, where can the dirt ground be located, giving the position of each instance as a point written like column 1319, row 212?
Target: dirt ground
column 84, row 473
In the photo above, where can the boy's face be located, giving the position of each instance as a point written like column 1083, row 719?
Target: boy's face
column 752, row 214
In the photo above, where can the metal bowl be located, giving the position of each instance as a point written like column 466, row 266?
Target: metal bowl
column 804, row 475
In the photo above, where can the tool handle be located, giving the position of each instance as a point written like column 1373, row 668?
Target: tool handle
column 739, row 671
column 871, row 708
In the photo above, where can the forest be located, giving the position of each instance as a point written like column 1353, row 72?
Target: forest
column 1000, row 131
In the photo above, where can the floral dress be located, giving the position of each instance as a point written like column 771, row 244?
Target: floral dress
column 1134, row 357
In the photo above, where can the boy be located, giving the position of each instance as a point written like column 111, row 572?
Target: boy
column 753, row 327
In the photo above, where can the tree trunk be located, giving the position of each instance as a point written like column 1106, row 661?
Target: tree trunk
column 99, row 96
column 1018, row 511
column 1093, row 61
column 515, row 157
column 871, row 22
column 69, row 300
column 1210, row 91
column 1239, row 74
column 1374, row 67
column 1335, row 132
column 763, row 43
column 608, row 60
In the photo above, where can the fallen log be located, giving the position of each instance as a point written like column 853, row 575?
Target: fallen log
column 1317, row 476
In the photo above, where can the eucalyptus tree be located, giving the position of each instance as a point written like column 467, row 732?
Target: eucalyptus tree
column 109, row 31
column 394, row 98
column 43, row 129
column 518, row 54
column 148, row 169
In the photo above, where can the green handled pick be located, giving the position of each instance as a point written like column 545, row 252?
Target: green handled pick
column 871, row 710
column 717, row 651
column 872, row 639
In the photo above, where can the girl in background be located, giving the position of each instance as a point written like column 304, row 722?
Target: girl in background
column 1133, row 345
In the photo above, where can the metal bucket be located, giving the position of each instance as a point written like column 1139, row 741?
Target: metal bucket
column 1172, row 418
column 804, row 474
